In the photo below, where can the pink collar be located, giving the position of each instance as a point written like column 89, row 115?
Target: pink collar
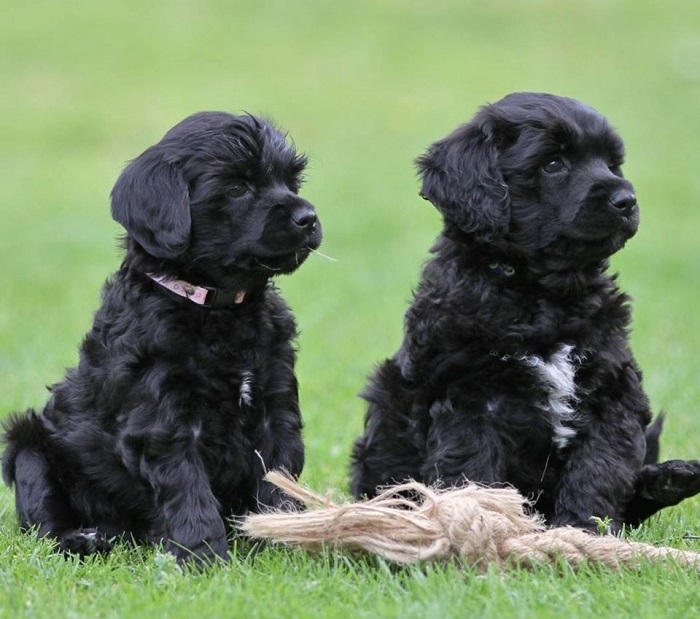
column 205, row 296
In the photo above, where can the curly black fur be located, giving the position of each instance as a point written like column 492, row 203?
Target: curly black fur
column 515, row 366
column 174, row 412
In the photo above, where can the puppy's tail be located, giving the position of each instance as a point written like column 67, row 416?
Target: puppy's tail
column 653, row 433
column 20, row 430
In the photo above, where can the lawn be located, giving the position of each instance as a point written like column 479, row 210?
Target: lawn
column 363, row 87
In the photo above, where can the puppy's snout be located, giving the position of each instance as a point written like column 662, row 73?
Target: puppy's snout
column 623, row 201
column 304, row 217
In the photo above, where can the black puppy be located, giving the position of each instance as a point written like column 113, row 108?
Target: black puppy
column 515, row 366
column 185, row 391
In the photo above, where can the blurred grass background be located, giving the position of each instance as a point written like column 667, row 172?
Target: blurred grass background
column 363, row 87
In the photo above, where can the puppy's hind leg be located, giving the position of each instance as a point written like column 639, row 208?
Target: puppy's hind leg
column 41, row 503
column 40, row 499
column 662, row 485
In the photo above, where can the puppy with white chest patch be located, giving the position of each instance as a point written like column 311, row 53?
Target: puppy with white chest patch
column 515, row 366
column 185, row 391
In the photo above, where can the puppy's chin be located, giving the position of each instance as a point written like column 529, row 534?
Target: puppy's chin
column 265, row 264
column 567, row 253
column 279, row 264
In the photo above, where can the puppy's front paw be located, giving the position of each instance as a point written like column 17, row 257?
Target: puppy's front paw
column 203, row 553
column 83, row 542
column 271, row 498
column 593, row 524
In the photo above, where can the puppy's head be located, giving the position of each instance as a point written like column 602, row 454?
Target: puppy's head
column 218, row 194
column 536, row 174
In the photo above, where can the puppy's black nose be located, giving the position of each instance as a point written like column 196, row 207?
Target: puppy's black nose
column 304, row 216
column 623, row 200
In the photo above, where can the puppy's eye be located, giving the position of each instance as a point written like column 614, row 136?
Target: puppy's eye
column 553, row 166
column 616, row 170
column 238, row 190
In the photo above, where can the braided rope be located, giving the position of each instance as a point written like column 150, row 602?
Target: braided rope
column 476, row 525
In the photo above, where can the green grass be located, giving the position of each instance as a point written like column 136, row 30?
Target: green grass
column 363, row 87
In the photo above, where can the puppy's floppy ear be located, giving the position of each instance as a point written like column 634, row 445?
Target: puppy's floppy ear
column 151, row 200
column 462, row 178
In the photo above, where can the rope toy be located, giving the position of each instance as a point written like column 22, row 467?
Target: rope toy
column 476, row 525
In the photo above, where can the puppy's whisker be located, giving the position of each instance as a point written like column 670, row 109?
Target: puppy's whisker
column 324, row 256
column 265, row 266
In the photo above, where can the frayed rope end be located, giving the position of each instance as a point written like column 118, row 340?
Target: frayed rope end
column 412, row 522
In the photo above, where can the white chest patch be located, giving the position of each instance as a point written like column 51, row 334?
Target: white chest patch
column 246, row 397
column 557, row 375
